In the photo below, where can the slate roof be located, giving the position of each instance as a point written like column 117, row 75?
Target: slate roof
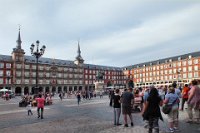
column 92, row 66
column 161, row 61
column 43, row 60
column 5, row 58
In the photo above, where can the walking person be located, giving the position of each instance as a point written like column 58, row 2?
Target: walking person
column 29, row 108
column 101, row 94
column 78, row 95
column 184, row 96
column 111, row 94
column 127, row 104
column 145, row 97
column 172, row 99
column 40, row 106
column 194, row 103
column 61, row 96
column 117, row 107
column 151, row 111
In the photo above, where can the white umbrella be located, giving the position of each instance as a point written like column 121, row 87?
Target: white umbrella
column 3, row 90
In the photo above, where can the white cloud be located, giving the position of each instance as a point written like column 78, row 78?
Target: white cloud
column 109, row 31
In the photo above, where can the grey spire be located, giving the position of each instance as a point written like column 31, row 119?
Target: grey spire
column 79, row 50
column 19, row 42
column 78, row 57
column 18, row 48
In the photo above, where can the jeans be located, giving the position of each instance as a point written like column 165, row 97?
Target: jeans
column 30, row 112
column 153, row 124
column 40, row 114
column 78, row 100
column 183, row 102
column 191, row 115
column 117, row 112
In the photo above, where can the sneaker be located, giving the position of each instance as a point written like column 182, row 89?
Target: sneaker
column 176, row 129
column 119, row 124
column 170, row 130
column 132, row 124
column 126, row 125
column 196, row 122
column 189, row 121
column 146, row 126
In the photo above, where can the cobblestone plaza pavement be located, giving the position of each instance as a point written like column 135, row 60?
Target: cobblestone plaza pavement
column 92, row 116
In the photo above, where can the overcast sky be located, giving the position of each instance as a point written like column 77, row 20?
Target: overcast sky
column 111, row 32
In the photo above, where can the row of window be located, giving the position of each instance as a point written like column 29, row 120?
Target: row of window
column 106, row 72
column 7, row 65
column 105, row 77
column 169, row 77
column 26, row 81
column 170, row 65
column 170, row 71
column 93, row 81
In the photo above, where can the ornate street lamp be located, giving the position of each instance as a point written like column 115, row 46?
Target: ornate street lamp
column 37, row 54
column 8, row 78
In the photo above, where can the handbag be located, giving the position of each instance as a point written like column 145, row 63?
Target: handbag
column 166, row 109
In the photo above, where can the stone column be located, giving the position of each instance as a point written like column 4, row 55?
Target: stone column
column 62, row 88
column 22, row 90
column 44, row 89
column 29, row 89
column 50, row 89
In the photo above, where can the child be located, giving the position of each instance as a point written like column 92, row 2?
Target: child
column 29, row 106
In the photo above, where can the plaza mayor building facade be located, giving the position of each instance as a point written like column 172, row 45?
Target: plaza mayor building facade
column 19, row 72
column 180, row 69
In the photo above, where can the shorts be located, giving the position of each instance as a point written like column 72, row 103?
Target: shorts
column 126, row 110
column 173, row 115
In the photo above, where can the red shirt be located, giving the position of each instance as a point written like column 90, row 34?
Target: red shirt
column 185, row 92
column 40, row 102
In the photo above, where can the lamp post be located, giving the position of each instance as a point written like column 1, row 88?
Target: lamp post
column 8, row 78
column 37, row 54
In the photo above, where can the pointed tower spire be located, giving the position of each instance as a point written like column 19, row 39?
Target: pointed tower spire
column 79, row 50
column 18, row 48
column 79, row 59
column 19, row 42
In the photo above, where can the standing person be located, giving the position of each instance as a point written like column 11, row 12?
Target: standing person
column 111, row 97
column 146, row 95
column 101, row 94
column 60, row 95
column 194, row 103
column 117, row 107
column 151, row 111
column 40, row 106
column 78, row 97
column 29, row 108
column 127, row 104
column 172, row 99
column 184, row 96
